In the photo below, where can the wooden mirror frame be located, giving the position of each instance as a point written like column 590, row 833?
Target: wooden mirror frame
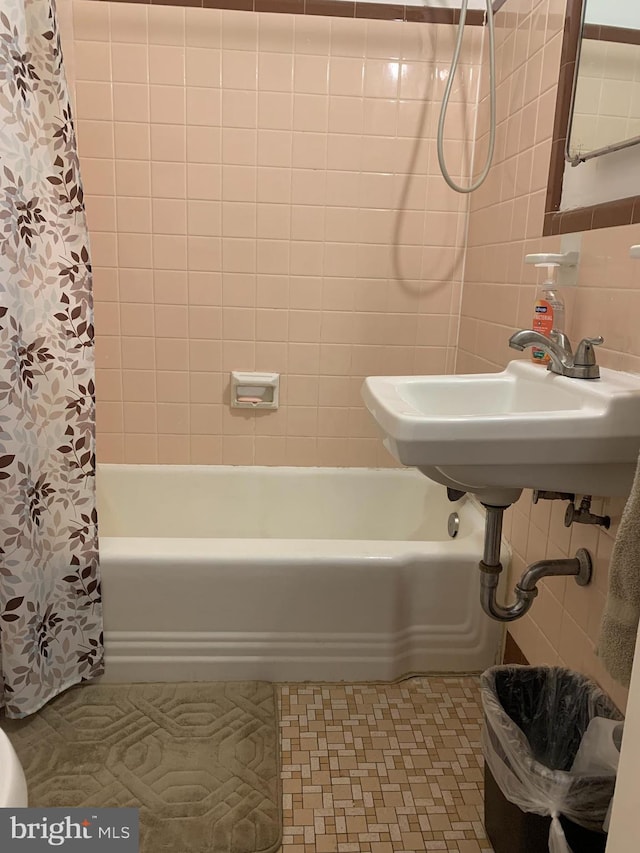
column 623, row 211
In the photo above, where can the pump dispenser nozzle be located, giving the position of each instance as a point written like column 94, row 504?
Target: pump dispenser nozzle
column 551, row 273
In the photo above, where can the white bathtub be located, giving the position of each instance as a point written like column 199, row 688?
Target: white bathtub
column 215, row 572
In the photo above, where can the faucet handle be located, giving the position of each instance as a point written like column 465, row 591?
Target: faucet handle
column 585, row 356
column 562, row 340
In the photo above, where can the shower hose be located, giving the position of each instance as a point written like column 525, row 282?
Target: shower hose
column 492, row 99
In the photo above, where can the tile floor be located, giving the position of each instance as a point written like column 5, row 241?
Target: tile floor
column 382, row 768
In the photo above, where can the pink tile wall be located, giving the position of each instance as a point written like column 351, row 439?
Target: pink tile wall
column 262, row 193
column 505, row 224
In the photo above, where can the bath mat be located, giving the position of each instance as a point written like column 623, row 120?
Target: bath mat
column 200, row 761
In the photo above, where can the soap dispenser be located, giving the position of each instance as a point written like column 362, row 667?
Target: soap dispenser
column 548, row 312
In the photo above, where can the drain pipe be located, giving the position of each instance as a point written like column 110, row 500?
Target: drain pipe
column 526, row 590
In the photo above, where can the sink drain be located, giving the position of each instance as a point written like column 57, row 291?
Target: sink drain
column 453, row 525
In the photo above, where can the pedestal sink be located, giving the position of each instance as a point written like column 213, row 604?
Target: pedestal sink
column 494, row 434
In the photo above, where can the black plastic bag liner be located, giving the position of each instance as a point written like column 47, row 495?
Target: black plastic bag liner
column 535, row 718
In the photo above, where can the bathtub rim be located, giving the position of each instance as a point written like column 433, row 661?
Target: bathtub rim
column 272, row 551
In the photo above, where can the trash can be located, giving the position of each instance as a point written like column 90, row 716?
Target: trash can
column 535, row 720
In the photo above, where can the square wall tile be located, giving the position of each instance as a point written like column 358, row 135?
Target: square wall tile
column 129, row 23
column 90, row 23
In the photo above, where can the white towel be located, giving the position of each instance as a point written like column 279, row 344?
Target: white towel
column 619, row 626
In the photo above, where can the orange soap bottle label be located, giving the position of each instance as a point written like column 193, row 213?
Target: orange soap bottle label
column 543, row 323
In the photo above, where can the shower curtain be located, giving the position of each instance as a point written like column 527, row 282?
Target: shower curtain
column 50, row 605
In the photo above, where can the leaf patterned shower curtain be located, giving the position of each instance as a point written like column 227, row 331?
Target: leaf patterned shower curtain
column 50, row 605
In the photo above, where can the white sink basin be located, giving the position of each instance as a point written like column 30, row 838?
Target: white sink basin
column 496, row 433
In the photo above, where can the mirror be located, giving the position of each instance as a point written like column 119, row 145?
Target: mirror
column 605, row 113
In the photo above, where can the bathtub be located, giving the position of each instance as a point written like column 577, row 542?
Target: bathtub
column 287, row 574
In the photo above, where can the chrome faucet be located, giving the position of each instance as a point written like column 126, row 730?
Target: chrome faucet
column 582, row 365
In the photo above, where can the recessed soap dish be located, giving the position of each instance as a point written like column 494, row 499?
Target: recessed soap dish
column 254, row 390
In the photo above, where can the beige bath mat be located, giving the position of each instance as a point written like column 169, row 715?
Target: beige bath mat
column 200, row 760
